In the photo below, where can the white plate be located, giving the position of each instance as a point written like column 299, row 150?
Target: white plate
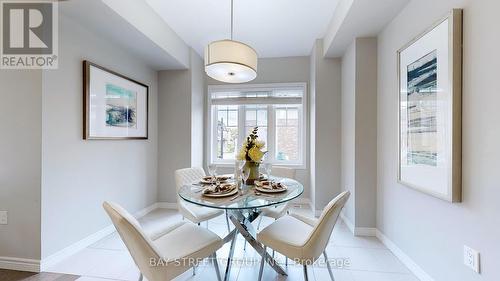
column 204, row 181
column 269, row 190
column 217, row 195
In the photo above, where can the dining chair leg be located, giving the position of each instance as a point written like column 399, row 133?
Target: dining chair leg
column 262, row 264
column 286, row 261
column 260, row 220
column 194, row 270
column 245, row 245
column 328, row 266
column 198, row 224
column 305, row 273
column 140, row 277
column 227, row 223
column 216, row 266
column 273, row 250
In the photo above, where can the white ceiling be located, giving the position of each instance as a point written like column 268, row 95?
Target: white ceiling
column 274, row 28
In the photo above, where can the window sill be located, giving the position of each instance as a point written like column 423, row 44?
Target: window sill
column 292, row 166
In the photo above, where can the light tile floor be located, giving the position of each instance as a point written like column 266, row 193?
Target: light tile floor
column 369, row 259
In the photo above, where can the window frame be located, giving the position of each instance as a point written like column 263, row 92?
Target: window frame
column 211, row 145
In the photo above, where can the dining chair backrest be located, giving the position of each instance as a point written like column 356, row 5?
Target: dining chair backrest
column 137, row 242
column 283, row 172
column 187, row 176
column 319, row 237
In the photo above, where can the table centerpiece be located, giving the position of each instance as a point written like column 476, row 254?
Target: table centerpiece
column 252, row 152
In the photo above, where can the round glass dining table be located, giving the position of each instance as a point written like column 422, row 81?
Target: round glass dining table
column 242, row 209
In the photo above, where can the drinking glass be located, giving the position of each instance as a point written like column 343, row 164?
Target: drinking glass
column 237, row 172
column 240, row 163
column 212, row 169
column 268, row 167
column 245, row 175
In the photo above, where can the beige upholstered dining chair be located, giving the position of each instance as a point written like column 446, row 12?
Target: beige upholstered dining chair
column 301, row 238
column 163, row 255
column 192, row 212
column 277, row 212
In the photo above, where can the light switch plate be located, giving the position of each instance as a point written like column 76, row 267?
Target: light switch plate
column 471, row 258
column 4, row 217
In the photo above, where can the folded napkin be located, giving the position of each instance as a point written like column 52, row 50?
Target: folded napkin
column 269, row 185
column 221, row 188
column 209, row 179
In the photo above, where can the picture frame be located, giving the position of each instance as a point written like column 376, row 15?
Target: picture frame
column 115, row 107
column 429, row 110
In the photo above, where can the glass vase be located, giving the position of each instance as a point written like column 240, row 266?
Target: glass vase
column 252, row 168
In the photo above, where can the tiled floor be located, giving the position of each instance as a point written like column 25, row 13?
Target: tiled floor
column 369, row 259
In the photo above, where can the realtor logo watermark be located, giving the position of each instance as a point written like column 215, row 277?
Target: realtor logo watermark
column 29, row 35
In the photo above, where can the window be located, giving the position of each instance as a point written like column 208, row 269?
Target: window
column 278, row 111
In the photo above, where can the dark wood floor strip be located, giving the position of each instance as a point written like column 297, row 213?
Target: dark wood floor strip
column 14, row 275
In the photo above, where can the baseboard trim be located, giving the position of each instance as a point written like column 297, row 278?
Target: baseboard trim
column 20, row 264
column 166, row 205
column 317, row 213
column 301, row 201
column 365, row 231
column 347, row 222
column 33, row 265
column 70, row 250
column 145, row 211
column 404, row 258
column 358, row 231
column 58, row 256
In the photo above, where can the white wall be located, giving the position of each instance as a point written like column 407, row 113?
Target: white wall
column 349, row 128
column 20, row 165
column 281, row 70
column 174, row 129
column 359, row 131
column 326, row 138
column 78, row 175
column 312, row 125
column 180, row 121
column 197, row 109
column 366, row 132
column 431, row 231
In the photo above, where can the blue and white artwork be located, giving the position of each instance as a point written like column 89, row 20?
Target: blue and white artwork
column 422, row 111
column 121, row 107
column 430, row 102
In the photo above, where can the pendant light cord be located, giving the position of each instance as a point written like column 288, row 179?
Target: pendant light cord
column 232, row 20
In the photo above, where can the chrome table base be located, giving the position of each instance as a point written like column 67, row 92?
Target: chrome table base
column 243, row 225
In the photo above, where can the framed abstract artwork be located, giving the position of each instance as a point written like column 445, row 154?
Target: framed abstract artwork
column 430, row 103
column 114, row 106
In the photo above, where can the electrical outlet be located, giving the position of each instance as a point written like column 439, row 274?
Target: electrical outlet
column 3, row 217
column 471, row 258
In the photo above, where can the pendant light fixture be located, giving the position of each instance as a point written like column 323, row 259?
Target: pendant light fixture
column 230, row 61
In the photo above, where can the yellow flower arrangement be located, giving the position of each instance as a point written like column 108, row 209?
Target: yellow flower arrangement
column 252, row 148
column 255, row 154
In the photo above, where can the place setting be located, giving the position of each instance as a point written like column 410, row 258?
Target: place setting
column 209, row 180
column 247, row 187
column 225, row 186
column 270, row 186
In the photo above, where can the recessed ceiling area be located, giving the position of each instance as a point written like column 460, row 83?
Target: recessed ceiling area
column 274, row 28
